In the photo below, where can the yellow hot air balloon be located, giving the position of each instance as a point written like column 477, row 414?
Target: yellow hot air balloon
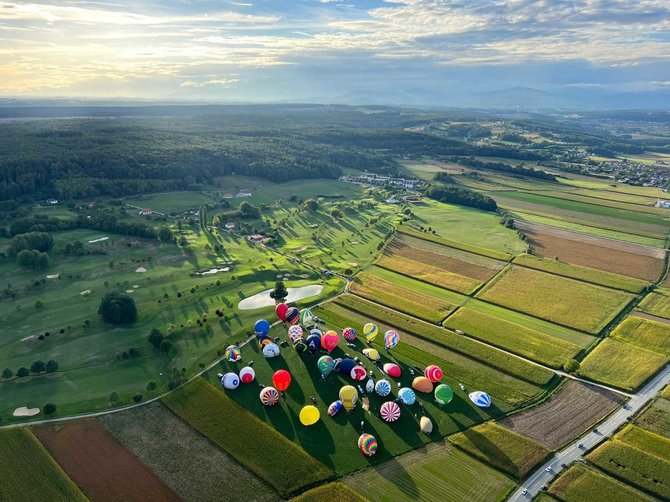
column 372, row 354
column 309, row 415
column 370, row 331
column 349, row 397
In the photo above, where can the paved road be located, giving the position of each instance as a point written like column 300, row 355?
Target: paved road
column 573, row 452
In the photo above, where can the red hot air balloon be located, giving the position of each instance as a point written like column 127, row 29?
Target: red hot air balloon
column 329, row 340
column 292, row 315
column 281, row 380
column 280, row 310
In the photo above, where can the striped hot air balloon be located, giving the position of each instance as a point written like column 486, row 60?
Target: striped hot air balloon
column 481, row 399
column 390, row 411
column 368, row 445
column 370, row 331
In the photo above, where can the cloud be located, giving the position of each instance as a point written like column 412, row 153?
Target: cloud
column 221, row 82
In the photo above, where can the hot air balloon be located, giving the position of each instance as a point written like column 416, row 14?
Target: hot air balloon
column 370, row 331
column 426, row 425
column 367, row 443
column 481, row 399
column 392, row 369
column 391, row 339
column 262, row 328
column 247, row 374
column 390, row 411
column 443, row 394
column 348, row 397
column 295, row 333
column 407, row 396
column 263, row 341
column 280, row 310
column 345, row 366
column 370, row 385
column 325, row 365
column 313, row 342
column 316, row 331
column 349, row 334
column 233, row 353
column 334, row 408
column 292, row 315
column 281, row 380
column 329, row 340
column 306, row 317
column 269, row 396
column 309, row 415
column 271, row 350
column 230, row 381
column 358, row 373
column 300, row 347
column 383, row 388
column 422, row 384
column 433, row 373
column 372, row 354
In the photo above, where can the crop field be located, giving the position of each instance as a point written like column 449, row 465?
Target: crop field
column 579, row 483
column 565, row 415
column 649, row 442
column 437, row 473
column 255, row 444
column 191, row 465
column 647, row 200
column 510, row 452
column 585, row 274
column 633, row 466
column 656, row 418
column 29, row 472
column 443, row 241
column 332, row 491
column 554, row 298
column 102, row 468
column 545, row 349
column 608, row 255
column 657, row 303
column 587, row 198
column 621, row 364
column 644, row 333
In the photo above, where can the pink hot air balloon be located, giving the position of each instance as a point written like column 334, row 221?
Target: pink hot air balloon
column 390, row 411
column 433, row 373
column 280, row 310
column 329, row 340
column 392, row 369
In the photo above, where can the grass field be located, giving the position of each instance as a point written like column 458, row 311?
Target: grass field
column 592, row 275
column 644, row 333
column 657, row 303
column 554, row 298
column 255, row 444
column 443, row 241
column 437, row 473
column 621, row 364
column 191, row 465
column 502, row 448
column 545, row 349
column 656, row 418
column 171, row 202
column 579, row 483
column 332, row 491
column 29, row 472
column 614, row 203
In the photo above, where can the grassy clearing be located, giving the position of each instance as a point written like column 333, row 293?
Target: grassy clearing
column 656, row 418
column 579, row 483
column 447, row 339
column 581, row 273
column 554, row 298
column 502, row 448
column 29, row 472
column 525, row 342
column 413, row 232
column 171, row 202
column 252, row 442
column 331, row 491
column 657, row 303
column 646, row 441
column 644, row 333
column 634, row 467
column 621, row 364
column 437, row 473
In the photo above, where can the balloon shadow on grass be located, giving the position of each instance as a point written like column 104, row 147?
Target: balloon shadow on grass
column 315, row 439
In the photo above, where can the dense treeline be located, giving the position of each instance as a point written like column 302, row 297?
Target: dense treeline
column 505, row 168
column 40, row 241
column 461, row 196
column 98, row 221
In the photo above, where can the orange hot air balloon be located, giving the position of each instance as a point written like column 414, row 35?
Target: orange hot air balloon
column 281, row 380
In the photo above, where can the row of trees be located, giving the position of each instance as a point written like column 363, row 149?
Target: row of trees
column 36, row 368
column 461, row 196
column 505, row 168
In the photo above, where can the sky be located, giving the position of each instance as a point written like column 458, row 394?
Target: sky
column 311, row 50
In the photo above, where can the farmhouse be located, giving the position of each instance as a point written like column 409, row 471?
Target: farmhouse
column 243, row 193
column 145, row 211
column 52, row 201
column 230, row 225
column 228, row 196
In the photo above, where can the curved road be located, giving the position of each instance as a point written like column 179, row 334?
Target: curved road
column 573, row 452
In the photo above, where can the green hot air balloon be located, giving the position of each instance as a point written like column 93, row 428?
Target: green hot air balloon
column 443, row 394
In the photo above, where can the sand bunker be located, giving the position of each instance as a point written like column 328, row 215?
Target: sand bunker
column 141, row 270
column 86, row 292
column 53, row 276
column 212, row 271
column 25, row 412
column 263, row 299
column 130, row 290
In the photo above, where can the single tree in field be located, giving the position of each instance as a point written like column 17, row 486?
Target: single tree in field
column 137, row 398
column 52, row 366
column 114, row 397
column 279, row 292
column 37, row 367
column 22, row 372
column 39, row 303
column 7, row 373
column 117, row 308
column 165, row 234
column 49, row 409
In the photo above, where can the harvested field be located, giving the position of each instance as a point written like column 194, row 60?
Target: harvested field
column 332, row 491
column 656, row 418
column 510, row 452
column 554, row 298
column 191, row 465
column 603, row 254
column 437, row 473
column 644, row 333
column 621, row 364
column 657, row 303
column 564, row 416
column 101, row 467
column 580, row 483
column 29, row 472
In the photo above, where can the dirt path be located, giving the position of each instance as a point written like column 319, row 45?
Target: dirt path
column 650, row 317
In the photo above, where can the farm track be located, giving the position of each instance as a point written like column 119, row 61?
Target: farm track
column 650, row 317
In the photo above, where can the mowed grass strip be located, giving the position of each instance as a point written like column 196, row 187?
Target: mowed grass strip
column 580, row 483
column 633, row 466
column 497, row 255
column 525, row 342
column 644, row 333
column 657, row 303
column 448, row 339
column 557, row 299
column 436, row 473
column 656, row 418
column 501, row 448
column 250, row 441
column 332, row 491
column 647, row 441
column 586, row 274
column 621, row 364
column 29, row 472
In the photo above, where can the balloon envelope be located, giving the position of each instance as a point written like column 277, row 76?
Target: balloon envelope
column 334, row 408
column 325, row 365
column 345, row 366
column 349, row 334
column 481, row 399
column 271, row 350
column 367, row 443
column 433, row 373
column 247, row 374
column 391, row 339
column 313, row 342
column 370, row 331
column 422, row 384
column 230, row 381
column 390, row 411
column 262, row 327
column 383, row 388
column 329, row 340
column 292, row 315
column 309, row 415
column 300, row 347
column 369, row 385
column 349, row 397
column 358, row 373
column 407, row 396
column 269, row 396
column 315, row 331
column 306, row 317
column 443, row 394
column 281, row 380
column 372, row 354
column 392, row 369
column 280, row 310
column 295, row 333
column 233, row 353
column 426, row 425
